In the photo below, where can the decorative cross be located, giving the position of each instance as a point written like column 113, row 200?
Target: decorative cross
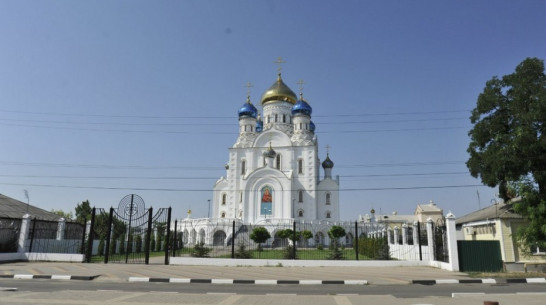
column 279, row 61
column 248, row 86
column 327, row 149
column 301, row 82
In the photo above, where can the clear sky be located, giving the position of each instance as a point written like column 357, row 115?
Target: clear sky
column 100, row 99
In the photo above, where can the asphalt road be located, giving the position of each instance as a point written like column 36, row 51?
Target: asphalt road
column 397, row 291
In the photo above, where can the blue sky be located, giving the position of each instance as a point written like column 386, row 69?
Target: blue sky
column 100, row 99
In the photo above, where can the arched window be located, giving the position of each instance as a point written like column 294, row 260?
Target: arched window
column 328, row 214
column 284, row 118
column 300, row 126
column 300, row 196
column 278, row 162
column 243, row 167
column 300, row 213
column 224, row 197
column 300, row 166
column 327, row 198
column 268, row 119
column 276, row 117
column 223, row 214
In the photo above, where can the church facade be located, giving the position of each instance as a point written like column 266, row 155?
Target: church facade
column 273, row 172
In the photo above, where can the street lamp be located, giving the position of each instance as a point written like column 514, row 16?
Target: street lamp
column 208, row 214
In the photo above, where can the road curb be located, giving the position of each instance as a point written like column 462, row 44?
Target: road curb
column 49, row 277
column 482, row 281
column 251, row 282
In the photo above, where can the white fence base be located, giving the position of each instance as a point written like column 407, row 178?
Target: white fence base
column 42, row 257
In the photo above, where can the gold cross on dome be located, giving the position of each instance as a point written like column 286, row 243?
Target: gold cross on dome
column 279, row 61
column 327, row 148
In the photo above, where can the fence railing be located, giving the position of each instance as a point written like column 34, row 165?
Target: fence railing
column 229, row 238
column 9, row 234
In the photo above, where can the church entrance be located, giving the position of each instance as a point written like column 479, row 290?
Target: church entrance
column 130, row 234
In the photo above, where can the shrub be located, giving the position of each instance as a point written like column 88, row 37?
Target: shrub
column 200, row 250
column 242, row 252
column 373, row 248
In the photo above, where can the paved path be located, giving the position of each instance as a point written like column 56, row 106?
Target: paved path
column 123, row 272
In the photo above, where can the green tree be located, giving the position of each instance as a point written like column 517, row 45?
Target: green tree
column 63, row 214
column 83, row 212
column 260, row 235
column 289, row 234
column 508, row 143
column 306, row 235
column 335, row 233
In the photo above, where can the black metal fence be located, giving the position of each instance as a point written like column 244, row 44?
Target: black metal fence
column 55, row 237
column 116, row 238
column 282, row 240
column 9, row 234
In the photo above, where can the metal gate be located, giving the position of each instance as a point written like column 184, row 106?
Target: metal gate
column 133, row 234
column 479, row 255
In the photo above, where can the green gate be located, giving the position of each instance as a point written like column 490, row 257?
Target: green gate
column 479, row 255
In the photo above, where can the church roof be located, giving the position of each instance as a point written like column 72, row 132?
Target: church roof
column 279, row 91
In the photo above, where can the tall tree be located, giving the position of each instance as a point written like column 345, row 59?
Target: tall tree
column 508, row 143
column 83, row 212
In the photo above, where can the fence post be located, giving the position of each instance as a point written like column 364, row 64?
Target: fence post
column 108, row 234
column 60, row 228
column 389, row 236
column 148, row 237
column 452, row 242
column 32, row 235
column 430, row 240
column 233, row 240
column 294, row 239
column 396, row 235
column 25, row 228
column 175, row 239
column 167, row 238
column 415, row 232
column 404, row 234
column 356, row 239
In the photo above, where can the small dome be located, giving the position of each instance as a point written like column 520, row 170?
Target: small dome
column 270, row 153
column 248, row 109
column 302, row 107
column 279, row 91
column 327, row 163
column 259, row 125
column 312, row 126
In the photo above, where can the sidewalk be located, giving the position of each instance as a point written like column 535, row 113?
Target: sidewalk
column 157, row 272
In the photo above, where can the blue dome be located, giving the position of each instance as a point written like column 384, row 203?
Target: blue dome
column 302, row 107
column 248, row 110
column 312, row 126
column 327, row 163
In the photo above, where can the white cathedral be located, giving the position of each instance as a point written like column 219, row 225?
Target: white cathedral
column 273, row 170
column 273, row 176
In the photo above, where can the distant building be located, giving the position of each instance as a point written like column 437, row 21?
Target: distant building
column 13, row 208
column 422, row 213
column 500, row 223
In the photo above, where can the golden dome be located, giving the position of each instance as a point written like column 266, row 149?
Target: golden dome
column 279, row 91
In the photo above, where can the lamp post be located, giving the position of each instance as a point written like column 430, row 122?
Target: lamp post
column 208, row 214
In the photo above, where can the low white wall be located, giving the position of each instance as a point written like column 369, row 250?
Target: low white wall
column 408, row 252
column 15, row 256
column 42, row 257
column 194, row 261
column 54, row 257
